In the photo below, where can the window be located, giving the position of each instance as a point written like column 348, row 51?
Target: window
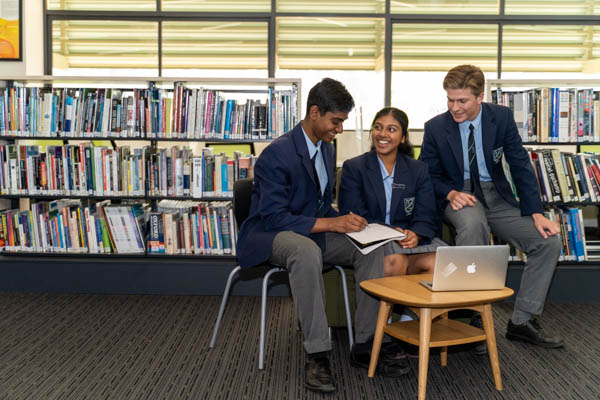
column 347, row 49
column 423, row 53
column 196, row 47
column 96, row 47
column 557, row 49
column 104, row 5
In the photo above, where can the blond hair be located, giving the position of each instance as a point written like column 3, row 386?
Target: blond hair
column 465, row 77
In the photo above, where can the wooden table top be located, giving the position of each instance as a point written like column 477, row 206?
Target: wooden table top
column 408, row 291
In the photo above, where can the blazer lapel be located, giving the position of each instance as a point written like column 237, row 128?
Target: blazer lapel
column 374, row 175
column 328, row 160
column 488, row 135
column 302, row 150
column 400, row 178
column 455, row 142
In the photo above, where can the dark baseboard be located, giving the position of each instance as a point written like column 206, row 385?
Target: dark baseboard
column 193, row 277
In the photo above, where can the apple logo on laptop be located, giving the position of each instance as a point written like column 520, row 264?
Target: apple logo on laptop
column 471, row 268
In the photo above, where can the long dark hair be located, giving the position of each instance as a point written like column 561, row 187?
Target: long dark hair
column 401, row 117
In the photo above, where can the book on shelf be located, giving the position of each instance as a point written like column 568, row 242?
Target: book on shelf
column 123, row 229
column 88, row 170
column 154, row 113
column 554, row 115
column 566, row 177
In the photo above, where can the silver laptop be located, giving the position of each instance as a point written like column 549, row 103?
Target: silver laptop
column 469, row 268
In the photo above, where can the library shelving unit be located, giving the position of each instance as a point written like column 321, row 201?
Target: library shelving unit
column 110, row 139
column 557, row 119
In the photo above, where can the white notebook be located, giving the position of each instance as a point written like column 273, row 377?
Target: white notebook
column 374, row 236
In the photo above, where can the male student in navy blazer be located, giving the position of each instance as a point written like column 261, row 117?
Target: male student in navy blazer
column 292, row 224
column 464, row 148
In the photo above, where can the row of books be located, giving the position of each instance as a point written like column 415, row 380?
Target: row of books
column 572, row 232
column 155, row 113
column 72, row 226
column 88, row 170
column 565, row 177
column 186, row 227
column 554, row 115
column 69, row 226
column 177, row 172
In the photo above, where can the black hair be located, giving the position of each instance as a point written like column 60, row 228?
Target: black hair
column 402, row 118
column 329, row 95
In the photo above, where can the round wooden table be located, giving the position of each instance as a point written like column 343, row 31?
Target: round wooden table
column 433, row 329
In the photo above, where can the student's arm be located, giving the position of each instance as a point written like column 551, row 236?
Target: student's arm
column 275, row 180
column 423, row 221
column 342, row 224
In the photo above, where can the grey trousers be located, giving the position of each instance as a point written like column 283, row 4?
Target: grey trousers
column 473, row 226
column 304, row 260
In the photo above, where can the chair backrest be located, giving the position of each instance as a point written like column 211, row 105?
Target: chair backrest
column 242, row 193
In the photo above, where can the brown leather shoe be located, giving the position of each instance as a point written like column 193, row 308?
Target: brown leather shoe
column 532, row 332
column 317, row 375
column 392, row 360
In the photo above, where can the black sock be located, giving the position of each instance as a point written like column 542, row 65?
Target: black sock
column 363, row 347
column 320, row 354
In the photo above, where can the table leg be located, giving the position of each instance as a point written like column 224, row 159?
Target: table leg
column 488, row 327
column 444, row 349
column 384, row 312
column 424, row 337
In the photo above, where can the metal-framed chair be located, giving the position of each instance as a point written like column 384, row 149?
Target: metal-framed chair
column 242, row 191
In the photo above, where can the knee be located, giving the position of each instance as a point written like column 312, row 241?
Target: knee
column 553, row 243
column 308, row 251
column 395, row 264
column 472, row 231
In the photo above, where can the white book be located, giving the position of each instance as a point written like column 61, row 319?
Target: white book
column 90, row 226
column 98, row 180
column 197, row 183
column 563, row 116
column 191, row 113
column 178, row 176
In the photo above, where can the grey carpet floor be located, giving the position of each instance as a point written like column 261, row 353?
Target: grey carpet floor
column 66, row 346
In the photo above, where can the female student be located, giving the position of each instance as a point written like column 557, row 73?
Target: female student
column 388, row 186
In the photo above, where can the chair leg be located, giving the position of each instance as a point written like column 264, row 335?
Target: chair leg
column 263, row 315
column 346, row 305
column 223, row 302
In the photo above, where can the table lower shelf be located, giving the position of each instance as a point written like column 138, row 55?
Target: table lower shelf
column 444, row 332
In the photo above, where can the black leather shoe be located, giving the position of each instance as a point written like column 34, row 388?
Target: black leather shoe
column 532, row 332
column 392, row 360
column 317, row 375
column 479, row 348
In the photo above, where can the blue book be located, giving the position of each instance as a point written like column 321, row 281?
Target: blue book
column 577, row 233
column 224, row 181
column 228, row 112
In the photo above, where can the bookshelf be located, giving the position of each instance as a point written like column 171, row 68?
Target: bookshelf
column 559, row 124
column 69, row 146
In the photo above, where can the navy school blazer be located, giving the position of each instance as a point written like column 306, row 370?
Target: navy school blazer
column 284, row 197
column 442, row 151
column 413, row 202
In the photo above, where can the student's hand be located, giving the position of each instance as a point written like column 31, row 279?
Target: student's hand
column 347, row 223
column 410, row 241
column 459, row 200
column 544, row 226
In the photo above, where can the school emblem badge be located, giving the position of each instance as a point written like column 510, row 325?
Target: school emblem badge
column 409, row 205
column 497, row 154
